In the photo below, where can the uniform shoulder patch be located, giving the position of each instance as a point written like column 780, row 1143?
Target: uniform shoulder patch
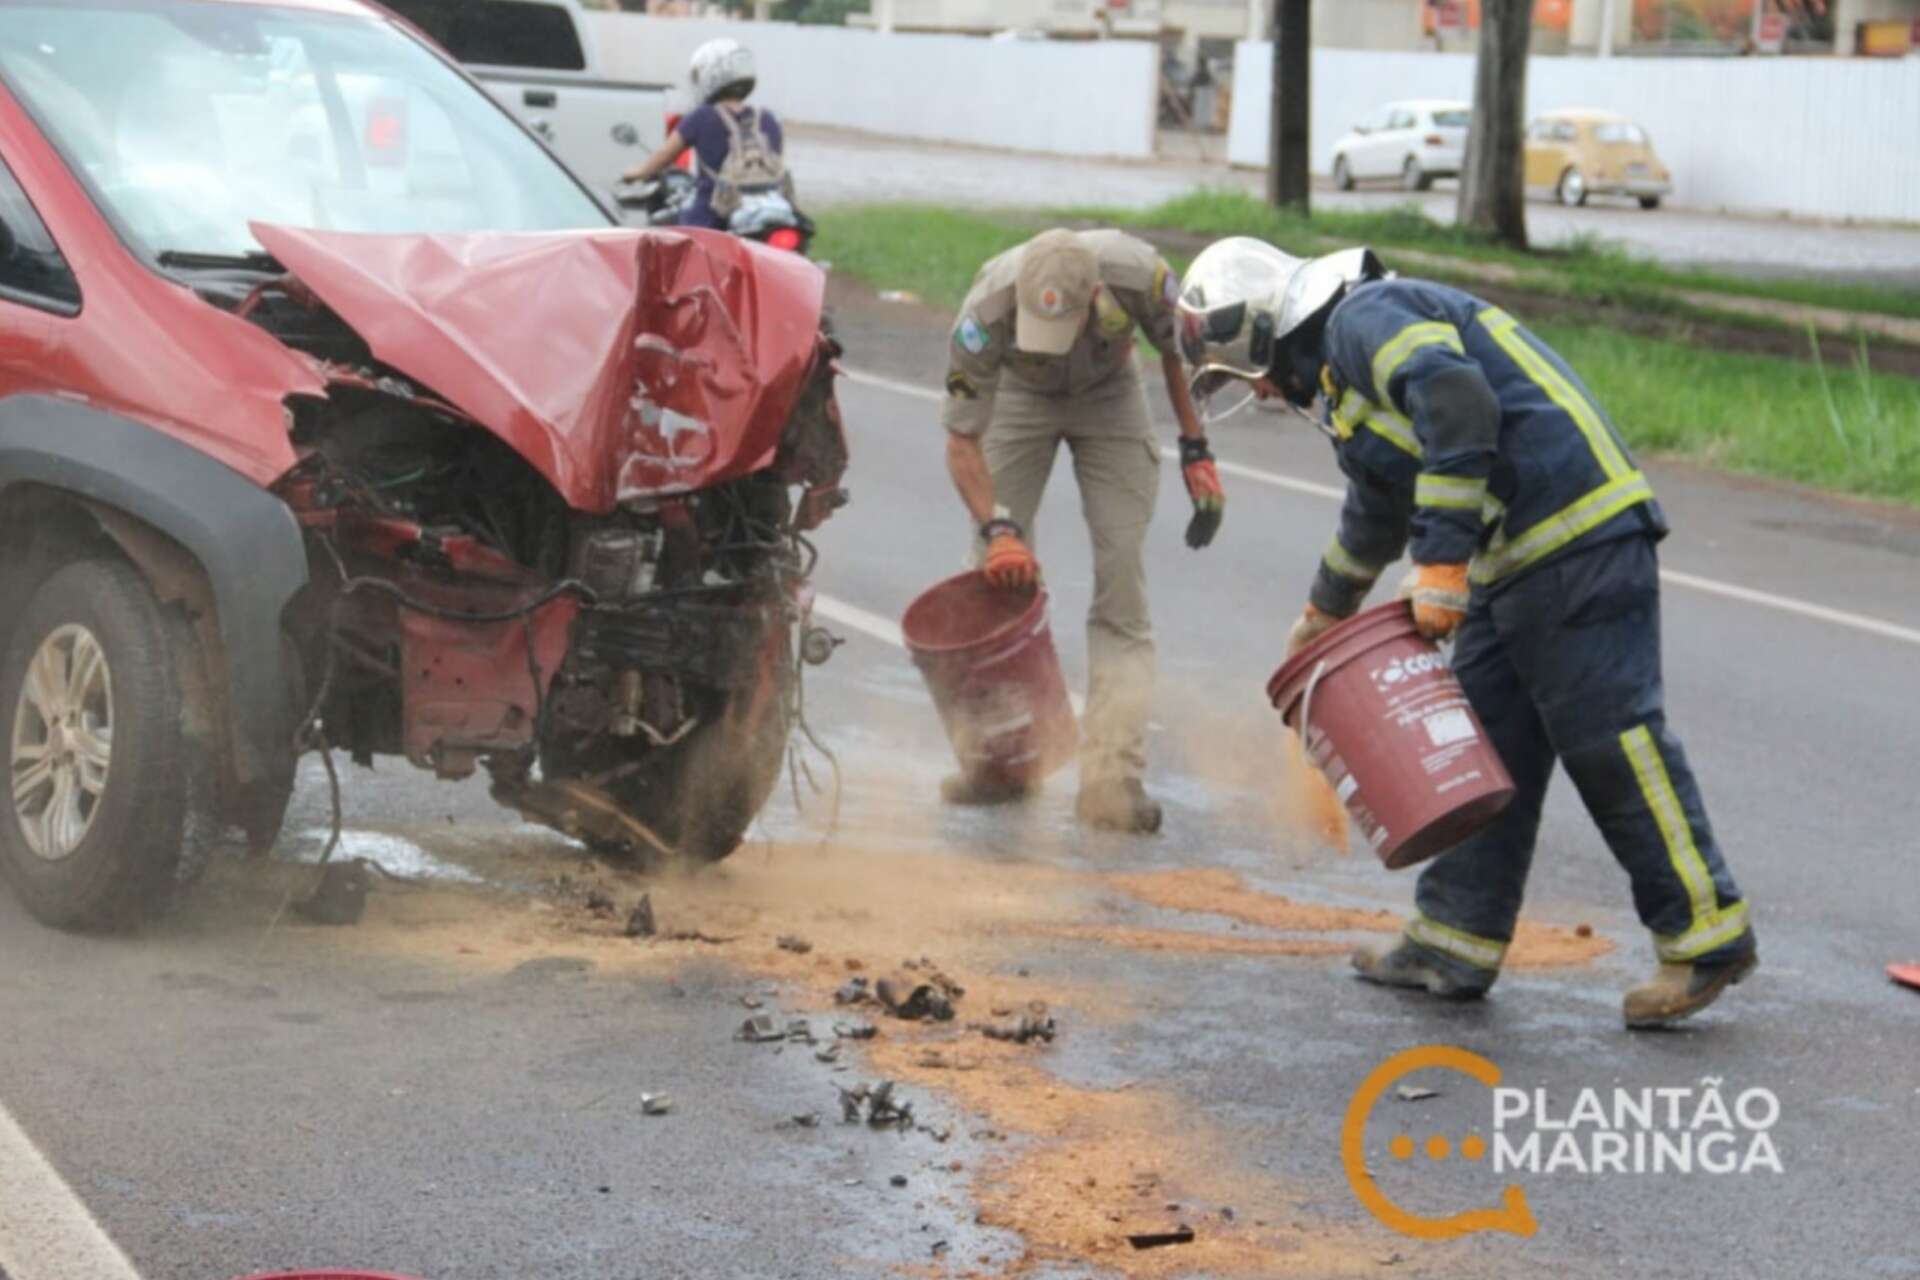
column 1166, row 285
column 972, row 336
column 961, row 387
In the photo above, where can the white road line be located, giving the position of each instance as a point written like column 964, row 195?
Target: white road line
column 45, row 1232
column 1710, row 586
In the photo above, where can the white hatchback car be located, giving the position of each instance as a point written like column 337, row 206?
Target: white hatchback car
column 1410, row 142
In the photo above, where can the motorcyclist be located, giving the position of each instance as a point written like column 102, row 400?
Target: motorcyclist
column 1532, row 536
column 739, row 148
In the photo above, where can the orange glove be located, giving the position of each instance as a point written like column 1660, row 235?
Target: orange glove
column 1203, row 486
column 1311, row 626
column 1439, row 598
column 1009, row 564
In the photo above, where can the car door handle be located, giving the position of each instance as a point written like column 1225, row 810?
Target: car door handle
column 540, row 98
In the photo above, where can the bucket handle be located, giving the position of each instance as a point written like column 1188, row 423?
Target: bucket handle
column 1306, row 706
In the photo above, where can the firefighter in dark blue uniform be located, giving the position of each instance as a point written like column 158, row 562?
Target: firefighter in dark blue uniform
column 1469, row 443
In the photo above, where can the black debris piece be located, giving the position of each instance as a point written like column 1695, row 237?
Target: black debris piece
column 877, row 1105
column 599, row 903
column 640, row 919
column 855, row 991
column 1029, row 1028
column 790, row 942
column 340, row 898
column 923, row 1003
column 829, row 1054
column 940, row 1248
column 898, row 1179
column 694, row 935
column 855, row 1030
column 800, row 1031
column 759, row 1029
column 1181, row 1234
column 805, row 1120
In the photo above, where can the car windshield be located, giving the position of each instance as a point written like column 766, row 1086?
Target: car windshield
column 1620, row 133
column 198, row 117
column 1452, row 119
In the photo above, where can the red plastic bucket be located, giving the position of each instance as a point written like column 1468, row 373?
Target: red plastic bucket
column 1390, row 728
column 988, row 659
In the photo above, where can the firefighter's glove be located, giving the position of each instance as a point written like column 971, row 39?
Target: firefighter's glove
column 1439, row 598
column 1310, row 626
column 1203, row 486
column 1009, row 564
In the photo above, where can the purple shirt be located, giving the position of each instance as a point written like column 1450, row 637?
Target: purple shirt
column 704, row 131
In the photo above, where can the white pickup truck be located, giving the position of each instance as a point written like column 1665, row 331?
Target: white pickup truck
column 537, row 58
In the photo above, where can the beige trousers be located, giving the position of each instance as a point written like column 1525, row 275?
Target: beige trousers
column 1109, row 434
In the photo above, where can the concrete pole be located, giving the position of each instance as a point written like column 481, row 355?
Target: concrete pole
column 1606, row 27
column 883, row 15
column 1287, row 178
column 1257, row 19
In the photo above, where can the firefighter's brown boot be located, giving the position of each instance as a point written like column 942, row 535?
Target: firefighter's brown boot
column 966, row 789
column 1117, row 804
column 1679, row 991
column 1423, row 969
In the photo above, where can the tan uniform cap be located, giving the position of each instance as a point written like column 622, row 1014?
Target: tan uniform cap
column 1058, row 278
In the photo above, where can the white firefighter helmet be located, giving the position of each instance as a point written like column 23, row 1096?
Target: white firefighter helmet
column 719, row 65
column 1242, row 299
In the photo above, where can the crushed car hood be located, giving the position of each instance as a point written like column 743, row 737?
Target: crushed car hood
column 621, row 364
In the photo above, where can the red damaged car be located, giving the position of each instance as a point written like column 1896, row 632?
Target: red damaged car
column 335, row 412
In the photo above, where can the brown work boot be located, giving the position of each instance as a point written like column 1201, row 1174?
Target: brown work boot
column 1422, row 969
column 965, row 789
column 1117, row 804
column 1679, row 991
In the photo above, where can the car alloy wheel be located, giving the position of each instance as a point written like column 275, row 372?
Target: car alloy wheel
column 62, row 742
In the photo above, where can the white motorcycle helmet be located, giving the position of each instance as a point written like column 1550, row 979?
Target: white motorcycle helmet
column 720, row 65
column 1241, row 301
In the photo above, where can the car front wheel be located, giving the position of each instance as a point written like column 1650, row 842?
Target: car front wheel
column 1573, row 188
column 1649, row 202
column 99, row 767
column 1413, row 177
column 1342, row 174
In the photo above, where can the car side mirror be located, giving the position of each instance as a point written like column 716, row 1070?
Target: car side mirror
column 1363, row 129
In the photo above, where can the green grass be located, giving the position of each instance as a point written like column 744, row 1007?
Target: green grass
column 1842, row 428
column 1587, row 267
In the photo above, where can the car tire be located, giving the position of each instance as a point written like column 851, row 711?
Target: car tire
column 1572, row 188
column 1413, row 177
column 91, row 699
column 1649, row 203
column 1342, row 175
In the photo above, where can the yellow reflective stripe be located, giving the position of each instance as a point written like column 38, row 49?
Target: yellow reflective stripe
column 1481, row 953
column 1453, row 493
column 1710, row 934
column 1350, row 412
column 1504, row 329
column 1426, row 333
column 1656, row 788
column 1395, row 430
column 1347, row 565
column 1503, row 557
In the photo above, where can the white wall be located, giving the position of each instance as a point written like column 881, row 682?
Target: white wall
column 1816, row 136
column 1091, row 98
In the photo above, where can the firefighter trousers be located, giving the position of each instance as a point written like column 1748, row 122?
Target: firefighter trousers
column 1564, row 665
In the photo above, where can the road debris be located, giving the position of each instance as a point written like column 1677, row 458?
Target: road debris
column 800, row 1031
column 655, row 1104
column 881, row 1109
column 855, row 1030
column 695, row 935
column 1414, row 1093
column 804, row 1120
column 940, row 1248
column 1182, row 1234
column 760, row 1029
column 599, row 904
column 1037, row 1025
column 830, row 1054
column 794, row 943
column 640, row 920
column 340, row 896
column 922, row 1002
column 751, row 1002
column 898, row 1180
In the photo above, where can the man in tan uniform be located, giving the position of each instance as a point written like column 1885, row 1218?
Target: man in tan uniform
column 1043, row 352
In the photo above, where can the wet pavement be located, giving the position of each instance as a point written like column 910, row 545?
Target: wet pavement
column 454, row 1087
column 836, row 167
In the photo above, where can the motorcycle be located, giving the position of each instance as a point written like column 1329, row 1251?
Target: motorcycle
column 768, row 216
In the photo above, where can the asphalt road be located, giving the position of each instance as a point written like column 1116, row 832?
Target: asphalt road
column 835, row 167
column 453, row 1088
